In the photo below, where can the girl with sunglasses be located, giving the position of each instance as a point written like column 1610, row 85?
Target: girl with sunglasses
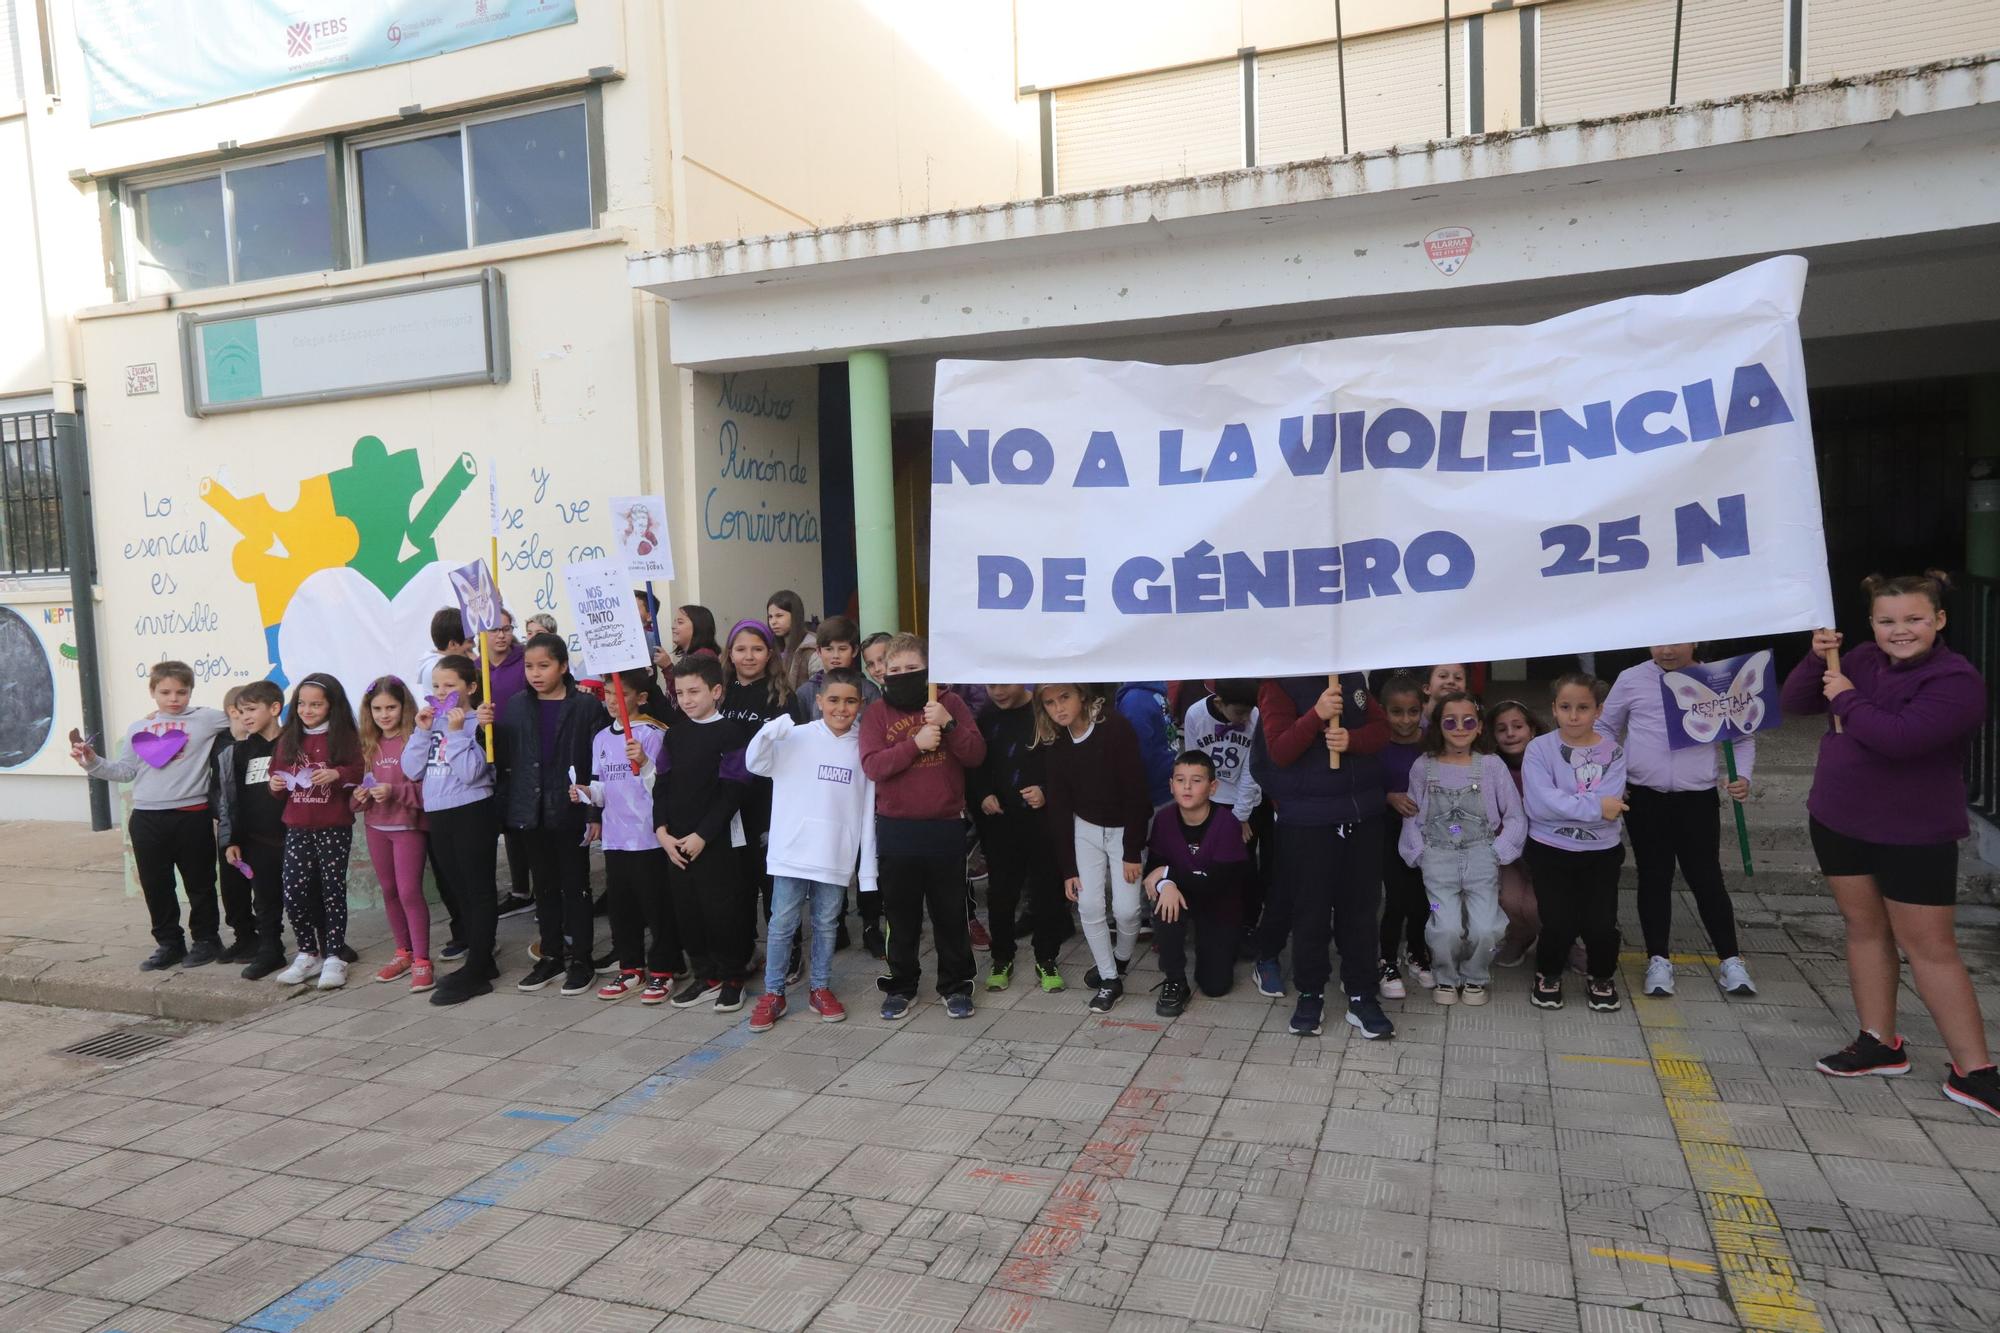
column 1468, row 822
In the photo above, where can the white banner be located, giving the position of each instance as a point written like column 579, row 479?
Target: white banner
column 1633, row 473
column 608, row 631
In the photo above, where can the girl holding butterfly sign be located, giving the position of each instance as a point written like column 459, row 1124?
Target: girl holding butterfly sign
column 1887, row 812
column 316, row 764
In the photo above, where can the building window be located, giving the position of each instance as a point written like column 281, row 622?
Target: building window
column 259, row 220
column 479, row 182
column 31, row 525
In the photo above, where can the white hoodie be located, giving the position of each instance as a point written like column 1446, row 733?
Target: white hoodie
column 822, row 804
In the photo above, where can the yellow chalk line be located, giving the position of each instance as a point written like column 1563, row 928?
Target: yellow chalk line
column 1636, row 1256
column 1757, row 1265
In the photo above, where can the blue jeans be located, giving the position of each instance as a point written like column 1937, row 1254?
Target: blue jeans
column 788, row 897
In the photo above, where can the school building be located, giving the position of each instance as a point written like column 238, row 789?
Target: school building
column 322, row 310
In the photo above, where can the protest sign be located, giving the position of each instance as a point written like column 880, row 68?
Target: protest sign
column 639, row 528
column 608, row 631
column 1726, row 700
column 1722, row 701
column 478, row 598
column 1635, row 472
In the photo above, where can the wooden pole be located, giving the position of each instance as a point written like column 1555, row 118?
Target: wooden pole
column 624, row 721
column 1333, row 683
column 1833, row 664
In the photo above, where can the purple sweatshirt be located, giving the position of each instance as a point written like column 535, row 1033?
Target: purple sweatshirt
column 1563, row 787
column 1896, row 774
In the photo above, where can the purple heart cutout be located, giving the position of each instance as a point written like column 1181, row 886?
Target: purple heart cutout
column 159, row 748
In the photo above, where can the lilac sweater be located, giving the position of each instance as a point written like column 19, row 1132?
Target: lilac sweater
column 1896, row 774
column 1564, row 786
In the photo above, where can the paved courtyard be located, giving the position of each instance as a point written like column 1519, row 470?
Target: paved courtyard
column 362, row 1160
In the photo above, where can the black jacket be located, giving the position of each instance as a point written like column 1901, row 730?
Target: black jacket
column 530, row 796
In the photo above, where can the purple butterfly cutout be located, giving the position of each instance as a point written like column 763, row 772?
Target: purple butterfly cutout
column 370, row 780
column 439, row 707
column 298, row 779
column 159, row 748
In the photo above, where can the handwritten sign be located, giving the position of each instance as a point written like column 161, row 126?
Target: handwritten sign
column 639, row 529
column 607, row 618
column 1713, row 701
column 1635, row 472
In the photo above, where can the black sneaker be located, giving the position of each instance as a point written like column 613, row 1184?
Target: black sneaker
column 167, row 955
column 1547, row 992
column 1364, row 1013
column 263, row 965
column 579, row 979
column 241, row 950
column 1173, row 998
column 1866, row 1054
column 460, row 986
column 729, row 997
column 541, row 974
column 605, row 962
column 1602, row 993
column 514, row 904
column 203, row 953
column 1309, row 1015
column 695, row 992
column 871, row 940
column 1091, row 978
column 1106, row 996
column 1979, row 1089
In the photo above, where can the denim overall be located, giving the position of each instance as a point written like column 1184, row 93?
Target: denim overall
column 1461, row 878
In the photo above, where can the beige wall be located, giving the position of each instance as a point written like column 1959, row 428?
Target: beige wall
column 24, row 364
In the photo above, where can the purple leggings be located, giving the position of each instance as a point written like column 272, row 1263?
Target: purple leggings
column 398, row 857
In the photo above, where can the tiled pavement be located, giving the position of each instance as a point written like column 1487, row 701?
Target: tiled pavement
column 363, row 1161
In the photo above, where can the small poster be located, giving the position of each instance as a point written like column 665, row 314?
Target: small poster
column 639, row 526
column 610, row 636
column 1712, row 701
column 478, row 597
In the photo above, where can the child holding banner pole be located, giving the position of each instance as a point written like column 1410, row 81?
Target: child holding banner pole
column 1673, row 817
column 1887, row 811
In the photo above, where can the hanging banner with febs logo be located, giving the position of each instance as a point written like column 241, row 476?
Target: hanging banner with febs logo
column 155, row 55
column 1637, row 472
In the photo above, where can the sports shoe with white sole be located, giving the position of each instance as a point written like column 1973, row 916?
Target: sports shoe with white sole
column 1659, row 976
column 1734, row 978
column 303, row 969
column 332, row 974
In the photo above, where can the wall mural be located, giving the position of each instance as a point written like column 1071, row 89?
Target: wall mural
column 27, row 691
column 371, row 519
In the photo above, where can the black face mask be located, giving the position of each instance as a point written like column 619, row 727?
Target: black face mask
column 907, row 690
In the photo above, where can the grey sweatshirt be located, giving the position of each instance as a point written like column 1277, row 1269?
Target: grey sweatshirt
column 180, row 783
column 451, row 765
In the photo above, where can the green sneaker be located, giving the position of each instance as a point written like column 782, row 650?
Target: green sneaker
column 1001, row 977
column 1050, row 978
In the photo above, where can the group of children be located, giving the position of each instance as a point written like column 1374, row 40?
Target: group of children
column 1420, row 836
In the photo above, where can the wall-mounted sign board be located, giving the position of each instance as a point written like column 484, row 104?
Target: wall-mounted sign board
column 428, row 335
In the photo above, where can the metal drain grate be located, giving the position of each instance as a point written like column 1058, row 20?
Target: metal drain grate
column 122, row 1044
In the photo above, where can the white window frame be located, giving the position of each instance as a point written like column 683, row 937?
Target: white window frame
column 462, row 125
column 219, row 171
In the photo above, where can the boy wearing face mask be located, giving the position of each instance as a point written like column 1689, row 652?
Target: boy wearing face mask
column 916, row 753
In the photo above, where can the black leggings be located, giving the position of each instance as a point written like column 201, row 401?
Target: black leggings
column 1017, row 867
column 1683, row 826
column 1406, row 908
column 1577, row 893
column 716, row 913
column 637, row 885
column 559, row 868
column 466, row 839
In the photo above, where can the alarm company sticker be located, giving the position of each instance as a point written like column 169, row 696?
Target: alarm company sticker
column 1448, row 248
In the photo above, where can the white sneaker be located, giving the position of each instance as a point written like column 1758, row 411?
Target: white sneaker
column 1734, row 978
column 1659, row 976
column 333, row 975
column 1391, row 985
column 304, row 968
column 1425, row 977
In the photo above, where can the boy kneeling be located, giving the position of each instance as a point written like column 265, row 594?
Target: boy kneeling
column 1199, row 866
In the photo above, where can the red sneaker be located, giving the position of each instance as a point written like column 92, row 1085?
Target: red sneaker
column 827, row 1005
column 659, row 988
column 396, row 967
column 619, row 986
column 769, row 1009
column 421, row 978
column 977, row 930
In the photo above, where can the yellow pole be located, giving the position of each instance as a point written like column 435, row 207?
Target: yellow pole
column 486, row 655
